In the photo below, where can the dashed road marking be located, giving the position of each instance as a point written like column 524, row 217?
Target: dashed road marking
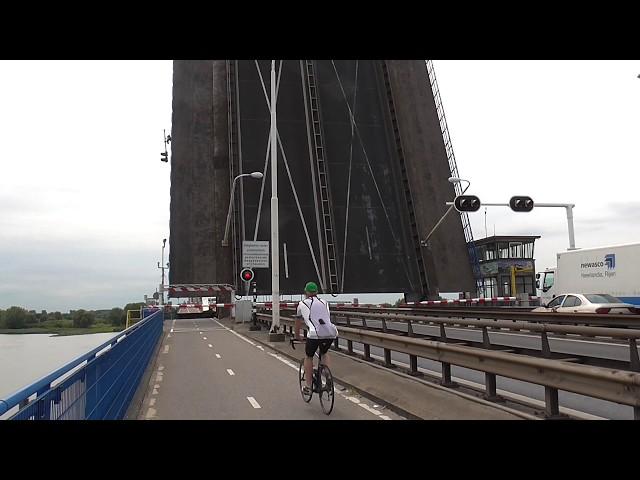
column 210, row 346
column 218, row 355
column 152, row 402
column 230, row 372
column 253, row 402
column 166, row 349
column 150, row 413
column 204, row 338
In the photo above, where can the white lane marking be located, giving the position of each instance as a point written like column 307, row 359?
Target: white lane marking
column 172, row 330
column 159, row 377
column 166, row 349
column 204, row 338
column 150, row 413
column 384, row 417
column 155, row 389
column 169, row 336
column 369, row 409
column 218, row 355
column 230, row 372
column 152, row 402
column 253, row 402
column 260, row 347
column 160, row 368
column 235, row 333
column 210, row 346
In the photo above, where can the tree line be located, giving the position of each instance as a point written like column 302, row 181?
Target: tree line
column 19, row 317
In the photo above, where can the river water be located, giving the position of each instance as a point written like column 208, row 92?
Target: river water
column 25, row 358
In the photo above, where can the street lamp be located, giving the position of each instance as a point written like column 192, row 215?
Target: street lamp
column 225, row 242
column 453, row 180
column 162, row 267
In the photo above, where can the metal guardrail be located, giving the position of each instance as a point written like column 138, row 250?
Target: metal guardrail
column 606, row 320
column 100, row 389
column 631, row 335
column 607, row 384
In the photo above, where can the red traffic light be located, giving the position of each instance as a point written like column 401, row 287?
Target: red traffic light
column 246, row 274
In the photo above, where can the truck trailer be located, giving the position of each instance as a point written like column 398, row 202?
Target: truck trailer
column 613, row 269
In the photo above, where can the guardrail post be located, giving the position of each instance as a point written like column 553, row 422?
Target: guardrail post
column 413, row 361
column 552, row 406
column 336, row 344
column 367, row 353
column 491, row 393
column 364, row 322
column 409, row 328
column 633, row 354
column 443, row 333
column 446, row 376
column 387, row 352
column 350, row 347
column 636, row 413
column 348, row 321
column 546, row 350
column 486, row 341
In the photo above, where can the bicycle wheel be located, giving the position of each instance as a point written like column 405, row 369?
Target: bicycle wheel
column 303, row 382
column 326, row 394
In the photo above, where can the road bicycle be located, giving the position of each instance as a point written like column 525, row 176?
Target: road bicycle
column 322, row 382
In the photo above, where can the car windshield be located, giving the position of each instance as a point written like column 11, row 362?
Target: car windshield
column 602, row 298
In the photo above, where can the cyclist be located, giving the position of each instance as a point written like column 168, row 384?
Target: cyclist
column 321, row 332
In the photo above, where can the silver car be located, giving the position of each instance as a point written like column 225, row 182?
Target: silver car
column 588, row 303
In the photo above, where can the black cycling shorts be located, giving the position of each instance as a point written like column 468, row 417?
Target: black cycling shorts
column 312, row 345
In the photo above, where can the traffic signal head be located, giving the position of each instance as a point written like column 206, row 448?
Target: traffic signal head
column 246, row 274
column 164, row 157
column 467, row 203
column 521, row 204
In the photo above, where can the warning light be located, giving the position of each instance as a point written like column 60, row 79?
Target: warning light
column 246, row 274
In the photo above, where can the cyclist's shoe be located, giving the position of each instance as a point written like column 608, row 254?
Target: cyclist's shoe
column 306, row 390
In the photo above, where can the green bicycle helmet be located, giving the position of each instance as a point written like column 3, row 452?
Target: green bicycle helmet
column 311, row 287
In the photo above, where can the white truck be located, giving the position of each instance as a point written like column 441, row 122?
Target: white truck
column 614, row 270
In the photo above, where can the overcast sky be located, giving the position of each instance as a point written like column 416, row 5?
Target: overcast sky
column 84, row 199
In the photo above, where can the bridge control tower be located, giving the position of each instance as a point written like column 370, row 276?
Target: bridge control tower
column 364, row 158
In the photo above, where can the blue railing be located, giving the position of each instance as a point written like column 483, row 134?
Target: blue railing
column 102, row 388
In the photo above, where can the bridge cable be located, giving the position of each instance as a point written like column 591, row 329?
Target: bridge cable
column 364, row 151
column 346, row 220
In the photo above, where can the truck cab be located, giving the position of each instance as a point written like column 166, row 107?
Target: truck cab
column 545, row 282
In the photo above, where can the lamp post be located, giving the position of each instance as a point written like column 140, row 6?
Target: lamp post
column 162, row 267
column 454, row 180
column 225, row 240
column 275, row 241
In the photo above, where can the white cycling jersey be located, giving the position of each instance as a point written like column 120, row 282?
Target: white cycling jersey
column 315, row 313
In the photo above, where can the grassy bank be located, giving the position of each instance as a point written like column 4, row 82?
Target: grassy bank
column 62, row 331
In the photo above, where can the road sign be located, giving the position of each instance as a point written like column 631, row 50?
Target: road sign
column 255, row 254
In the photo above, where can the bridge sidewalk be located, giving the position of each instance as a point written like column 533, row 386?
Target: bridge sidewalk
column 411, row 397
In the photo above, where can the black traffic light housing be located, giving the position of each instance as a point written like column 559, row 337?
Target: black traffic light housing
column 521, row 204
column 164, row 157
column 467, row 203
column 246, row 274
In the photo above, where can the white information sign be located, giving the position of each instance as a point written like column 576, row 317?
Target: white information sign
column 255, row 254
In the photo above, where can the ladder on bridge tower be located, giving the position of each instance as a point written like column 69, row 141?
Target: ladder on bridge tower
column 323, row 181
column 466, row 225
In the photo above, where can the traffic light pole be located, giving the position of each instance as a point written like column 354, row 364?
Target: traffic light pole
column 567, row 206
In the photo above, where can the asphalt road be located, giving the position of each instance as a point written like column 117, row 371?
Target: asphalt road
column 570, row 346
column 207, row 371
